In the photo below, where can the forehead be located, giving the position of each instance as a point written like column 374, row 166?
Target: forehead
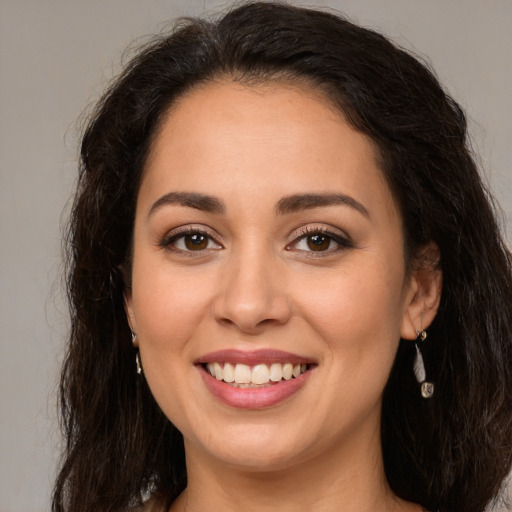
column 226, row 135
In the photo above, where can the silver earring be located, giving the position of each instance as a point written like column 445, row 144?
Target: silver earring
column 427, row 388
column 137, row 363
column 135, row 343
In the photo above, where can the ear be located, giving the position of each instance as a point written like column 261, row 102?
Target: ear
column 424, row 292
column 128, row 307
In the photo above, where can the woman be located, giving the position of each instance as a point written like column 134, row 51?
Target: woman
column 287, row 284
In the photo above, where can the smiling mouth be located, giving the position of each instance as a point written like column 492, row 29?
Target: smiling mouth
column 260, row 375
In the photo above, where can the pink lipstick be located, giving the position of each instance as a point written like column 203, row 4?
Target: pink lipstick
column 255, row 379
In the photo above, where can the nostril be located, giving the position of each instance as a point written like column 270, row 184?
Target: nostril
column 251, row 297
column 250, row 317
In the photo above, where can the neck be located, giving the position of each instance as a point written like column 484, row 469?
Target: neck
column 350, row 479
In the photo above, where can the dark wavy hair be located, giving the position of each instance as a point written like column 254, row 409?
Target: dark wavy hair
column 449, row 453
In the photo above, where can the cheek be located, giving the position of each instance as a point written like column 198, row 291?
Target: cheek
column 359, row 308
column 171, row 308
column 355, row 297
column 169, row 305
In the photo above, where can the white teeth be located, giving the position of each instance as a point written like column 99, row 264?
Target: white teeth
column 219, row 374
column 229, row 373
column 276, row 372
column 243, row 374
column 287, row 371
column 260, row 374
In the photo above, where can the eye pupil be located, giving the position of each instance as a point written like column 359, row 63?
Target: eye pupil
column 318, row 242
column 196, row 242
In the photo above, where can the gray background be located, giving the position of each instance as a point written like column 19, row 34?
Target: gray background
column 55, row 57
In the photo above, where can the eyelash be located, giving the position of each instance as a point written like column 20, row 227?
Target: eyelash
column 169, row 242
column 310, row 231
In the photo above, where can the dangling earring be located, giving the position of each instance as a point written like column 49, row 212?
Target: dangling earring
column 137, row 356
column 427, row 388
column 137, row 362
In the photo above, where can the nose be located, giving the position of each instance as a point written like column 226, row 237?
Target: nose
column 252, row 295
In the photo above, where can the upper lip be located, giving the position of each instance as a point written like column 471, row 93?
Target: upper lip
column 253, row 357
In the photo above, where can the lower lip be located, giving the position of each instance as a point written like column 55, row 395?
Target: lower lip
column 253, row 398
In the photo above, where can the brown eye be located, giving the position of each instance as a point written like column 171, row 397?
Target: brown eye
column 318, row 242
column 196, row 242
column 190, row 241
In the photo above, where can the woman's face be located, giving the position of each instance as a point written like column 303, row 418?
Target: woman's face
column 267, row 249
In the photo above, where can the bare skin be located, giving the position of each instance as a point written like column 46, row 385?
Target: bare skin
column 266, row 263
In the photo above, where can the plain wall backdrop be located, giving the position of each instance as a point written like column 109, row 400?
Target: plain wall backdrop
column 55, row 58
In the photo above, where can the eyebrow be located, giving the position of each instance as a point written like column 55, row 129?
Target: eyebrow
column 201, row 202
column 298, row 202
column 286, row 205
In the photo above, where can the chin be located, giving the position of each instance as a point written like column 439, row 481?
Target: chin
column 254, row 449
column 259, row 461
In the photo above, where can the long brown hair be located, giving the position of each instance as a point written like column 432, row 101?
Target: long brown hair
column 449, row 453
